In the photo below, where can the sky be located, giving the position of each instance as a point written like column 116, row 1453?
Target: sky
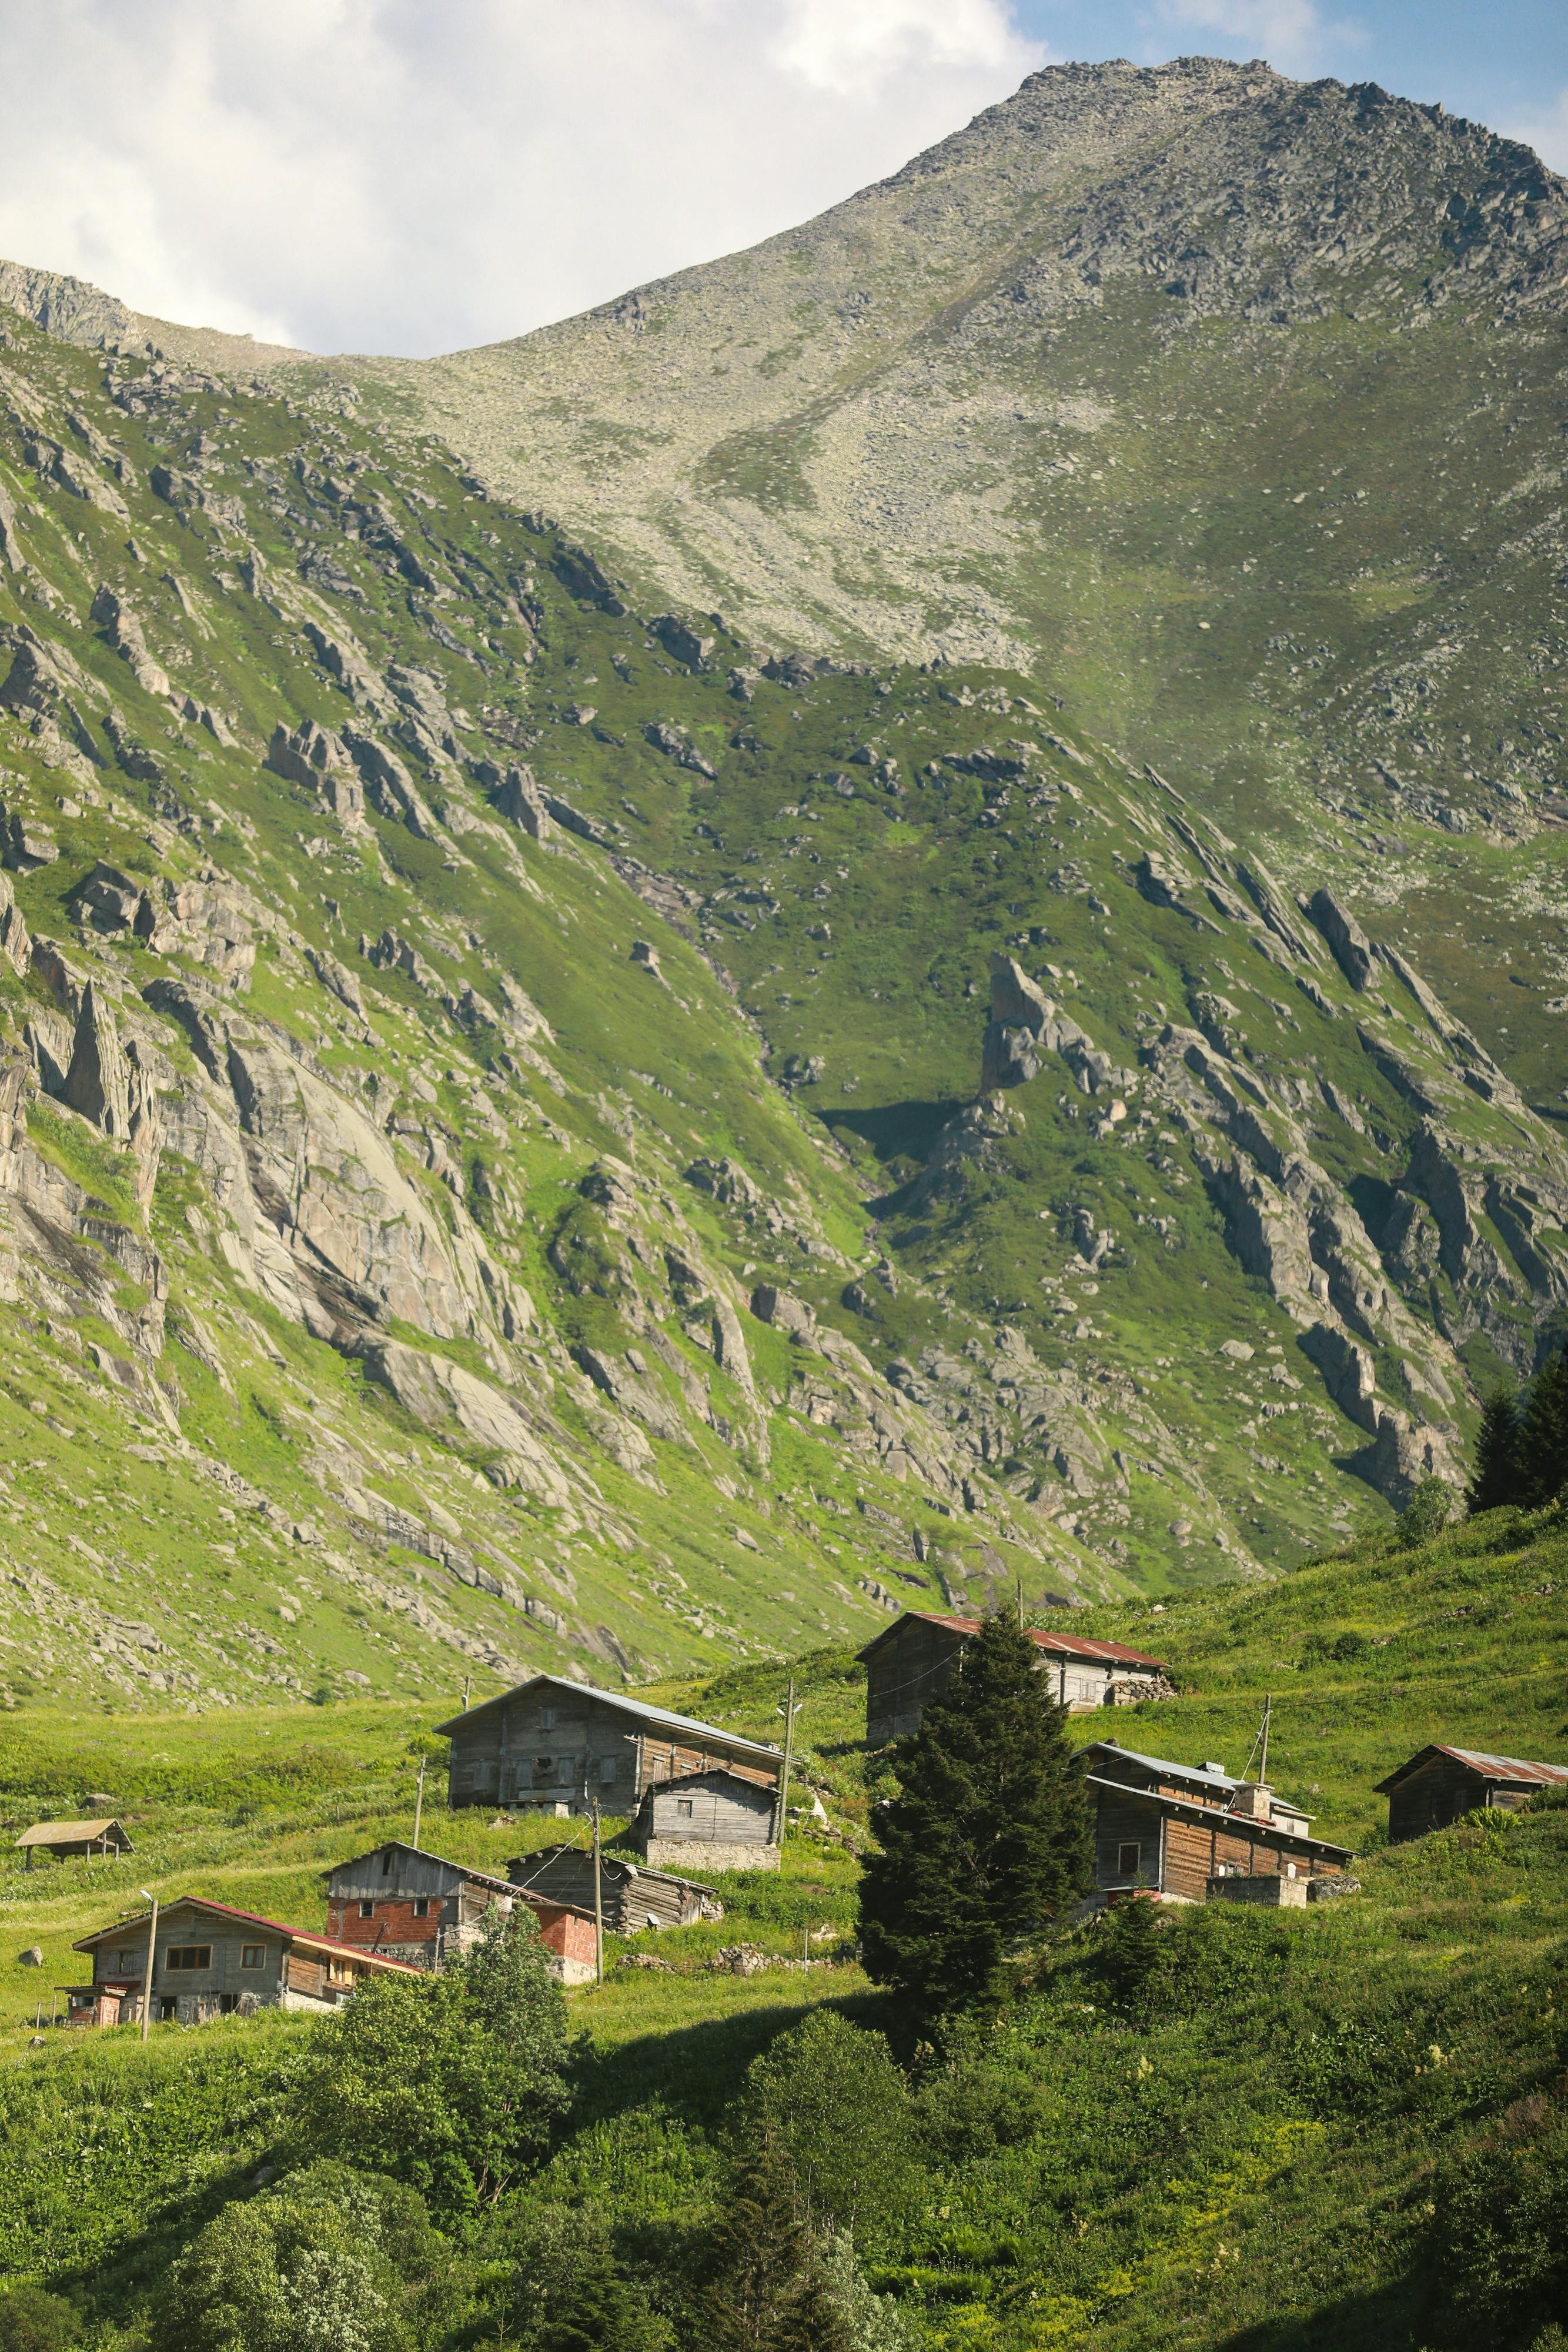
column 390, row 175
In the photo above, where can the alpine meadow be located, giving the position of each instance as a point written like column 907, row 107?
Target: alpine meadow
column 784, row 1279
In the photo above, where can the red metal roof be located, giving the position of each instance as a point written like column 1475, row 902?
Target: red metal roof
column 1514, row 1768
column 248, row 1919
column 1060, row 1645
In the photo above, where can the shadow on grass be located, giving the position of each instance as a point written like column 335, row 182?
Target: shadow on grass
column 1393, row 2317
column 899, row 1132
column 696, row 2070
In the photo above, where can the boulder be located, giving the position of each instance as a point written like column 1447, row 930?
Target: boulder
column 783, row 1311
column 33, row 1958
column 517, row 800
column 680, row 643
column 106, row 899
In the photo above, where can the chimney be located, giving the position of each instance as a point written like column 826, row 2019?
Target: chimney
column 1254, row 1801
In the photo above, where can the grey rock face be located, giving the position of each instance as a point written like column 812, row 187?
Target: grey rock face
column 1352, row 948
column 125, row 634
column 106, row 899
column 518, row 799
column 680, row 643
column 97, row 1083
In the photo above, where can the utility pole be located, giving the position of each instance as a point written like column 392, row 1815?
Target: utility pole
column 468, row 1686
column 1020, row 1603
column 1268, row 1711
column 152, row 1952
column 597, row 1903
column 418, row 1800
column 789, row 1751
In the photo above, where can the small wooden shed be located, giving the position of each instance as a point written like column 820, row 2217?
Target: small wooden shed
column 560, row 1747
column 715, row 1820
column 67, row 1841
column 1441, row 1784
column 633, row 1898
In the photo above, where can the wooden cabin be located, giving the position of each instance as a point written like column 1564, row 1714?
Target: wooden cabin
column 633, row 1898
column 911, row 1659
column 717, row 1819
column 412, row 1905
column 67, row 1841
column 421, row 1909
column 1188, row 1833
column 211, row 1961
column 555, row 1745
column 1440, row 1785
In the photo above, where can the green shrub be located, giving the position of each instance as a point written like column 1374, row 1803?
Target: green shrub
column 327, row 2261
column 1427, row 1512
column 1499, row 2234
column 452, row 2083
column 32, row 2321
column 558, row 2287
column 832, row 2099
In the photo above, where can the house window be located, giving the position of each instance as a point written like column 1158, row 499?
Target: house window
column 683, row 1806
column 422, row 1906
column 565, row 1771
column 227, row 2003
column 367, row 1910
column 252, row 1956
column 188, row 1956
column 607, row 1769
column 1128, row 1861
column 547, row 1718
column 387, row 1864
column 126, row 1963
column 544, row 1770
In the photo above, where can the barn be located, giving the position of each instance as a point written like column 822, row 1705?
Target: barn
column 716, row 1820
column 911, row 1659
column 558, row 1747
column 1188, row 1834
column 211, row 1961
column 633, row 1898
column 1440, row 1785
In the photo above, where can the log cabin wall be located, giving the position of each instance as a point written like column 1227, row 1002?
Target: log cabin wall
column 550, row 1745
column 1440, row 1793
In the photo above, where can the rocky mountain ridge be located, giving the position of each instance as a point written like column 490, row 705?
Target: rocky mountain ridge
column 502, row 1151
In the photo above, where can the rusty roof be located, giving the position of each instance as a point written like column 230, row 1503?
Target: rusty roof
column 69, row 1833
column 1064, row 1646
column 305, row 1936
column 1518, row 1770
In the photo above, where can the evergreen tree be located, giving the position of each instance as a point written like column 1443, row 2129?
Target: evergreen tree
column 1543, row 1433
column 988, row 1840
column 768, row 2289
column 1497, row 1480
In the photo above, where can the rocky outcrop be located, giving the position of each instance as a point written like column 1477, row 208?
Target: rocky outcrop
column 1352, row 949
column 124, row 632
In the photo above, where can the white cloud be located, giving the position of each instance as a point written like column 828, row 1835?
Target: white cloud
column 1546, row 131
column 1290, row 34
column 383, row 175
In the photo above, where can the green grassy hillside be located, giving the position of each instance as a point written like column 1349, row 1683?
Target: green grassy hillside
column 1252, row 2149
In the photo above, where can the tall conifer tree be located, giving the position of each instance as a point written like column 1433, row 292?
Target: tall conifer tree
column 767, row 2291
column 1497, row 1479
column 1543, row 1433
column 988, row 1840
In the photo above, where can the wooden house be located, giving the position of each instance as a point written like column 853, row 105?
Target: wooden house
column 1187, row 1833
column 410, row 1905
column 1440, row 1785
column 211, row 1960
column 716, row 1820
column 67, row 1840
column 914, row 1658
column 420, row 1907
column 633, row 1898
column 555, row 1745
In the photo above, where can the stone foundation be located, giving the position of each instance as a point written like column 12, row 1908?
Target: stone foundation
column 698, row 1857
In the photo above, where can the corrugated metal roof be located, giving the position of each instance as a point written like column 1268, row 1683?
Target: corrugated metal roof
column 1518, row 1770
column 628, row 1706
column 1163, row 1764
column 1237, row 1824
column 67, row 1833
column 306, row 1935
column 1066, row 1646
